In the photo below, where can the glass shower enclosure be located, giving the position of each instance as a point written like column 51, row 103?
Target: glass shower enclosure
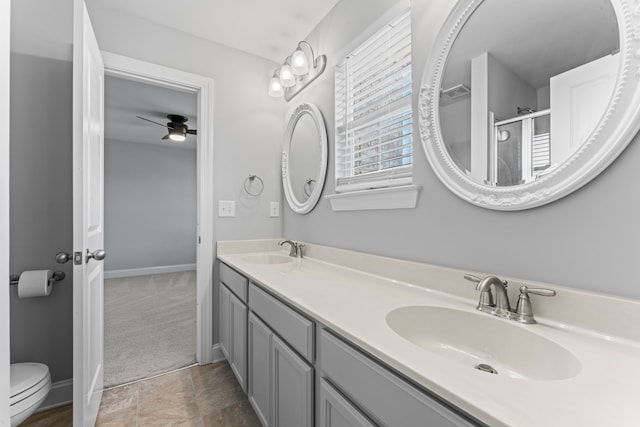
column 521, row 148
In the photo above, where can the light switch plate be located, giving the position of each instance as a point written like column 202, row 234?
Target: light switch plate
column 226, row 208
column 274, row 210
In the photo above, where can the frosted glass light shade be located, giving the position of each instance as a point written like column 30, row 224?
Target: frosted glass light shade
column 299, row 63
column 177, row 137
column 275, row 87
column 286, row 76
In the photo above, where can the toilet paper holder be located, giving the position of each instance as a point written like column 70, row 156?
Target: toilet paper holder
column 57, row 276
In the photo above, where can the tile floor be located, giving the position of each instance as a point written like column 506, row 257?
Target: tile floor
column 203, row 396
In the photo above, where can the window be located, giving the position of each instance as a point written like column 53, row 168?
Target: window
column 373, row 111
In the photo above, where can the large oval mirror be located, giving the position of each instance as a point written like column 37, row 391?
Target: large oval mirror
column 524, row 101
column 304, row 158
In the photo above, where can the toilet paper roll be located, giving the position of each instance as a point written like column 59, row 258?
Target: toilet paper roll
column 34, row 283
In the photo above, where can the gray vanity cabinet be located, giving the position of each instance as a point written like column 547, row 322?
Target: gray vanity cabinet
column 224, row 303
column 385, row 397
column 238, row 340
column 233, row 322
column 291, row 387
column 259, row 390
column 273, row 352
column 336, row 411
column 281, row 381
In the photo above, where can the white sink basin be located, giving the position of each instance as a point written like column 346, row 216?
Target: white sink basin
column 472, row 339
column 267, row 259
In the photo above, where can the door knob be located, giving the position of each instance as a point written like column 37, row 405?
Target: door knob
column 98, row 255
column 62, row 257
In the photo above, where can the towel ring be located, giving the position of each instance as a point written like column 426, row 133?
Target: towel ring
column 307, row 185
column 249, row 182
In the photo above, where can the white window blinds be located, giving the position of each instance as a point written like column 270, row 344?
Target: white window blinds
column 373, row 111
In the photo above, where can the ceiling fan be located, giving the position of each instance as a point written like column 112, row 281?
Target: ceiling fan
column 177, row 127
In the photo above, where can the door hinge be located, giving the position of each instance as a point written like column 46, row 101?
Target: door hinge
column 77, row 258
column 199, row 240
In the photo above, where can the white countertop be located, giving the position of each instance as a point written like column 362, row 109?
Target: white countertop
column 354, row 303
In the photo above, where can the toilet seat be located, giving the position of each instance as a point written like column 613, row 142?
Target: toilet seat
column 30, row 384
column 26, row 379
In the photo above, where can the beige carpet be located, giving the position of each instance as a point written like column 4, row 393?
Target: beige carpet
column 149, row 325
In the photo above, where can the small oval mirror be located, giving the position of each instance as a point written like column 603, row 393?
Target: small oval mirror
column 304, row 158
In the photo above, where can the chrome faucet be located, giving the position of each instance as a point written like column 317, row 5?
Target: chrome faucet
column 296, row 248
column 501, row 308
column 523, row 312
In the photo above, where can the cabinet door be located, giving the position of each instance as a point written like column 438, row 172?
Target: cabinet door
column 238, row 340
column 336, row 411
column 225, row 298
column 291, row 388
column 260, row 337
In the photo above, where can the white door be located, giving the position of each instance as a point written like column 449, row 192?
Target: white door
column 88, row 219
column 579, row 98
column 5, row 31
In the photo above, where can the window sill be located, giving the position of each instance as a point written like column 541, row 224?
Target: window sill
column 401, row 197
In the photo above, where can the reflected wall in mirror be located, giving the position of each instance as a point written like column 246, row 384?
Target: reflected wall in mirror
column 523, row 102
column 304, row 158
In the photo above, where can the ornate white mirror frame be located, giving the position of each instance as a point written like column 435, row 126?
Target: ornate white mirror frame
column 617, row 127
column 305, row 206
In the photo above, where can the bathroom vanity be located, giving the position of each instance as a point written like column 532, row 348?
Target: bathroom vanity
column 340, row 338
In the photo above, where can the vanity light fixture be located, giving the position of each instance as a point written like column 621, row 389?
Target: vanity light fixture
column 275, row 87
column 286, row 76
column 297, row 71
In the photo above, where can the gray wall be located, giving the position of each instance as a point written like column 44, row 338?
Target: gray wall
column 150, row 205
column 248, row 124
column 588, row 240
column 247, row 137
column 41, row 222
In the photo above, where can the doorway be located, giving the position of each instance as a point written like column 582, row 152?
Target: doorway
column 139, row 71
column 150, row 171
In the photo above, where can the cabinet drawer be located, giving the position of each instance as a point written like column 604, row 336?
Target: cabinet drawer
column 235, row 281
column 384, row 396
column 294, row 328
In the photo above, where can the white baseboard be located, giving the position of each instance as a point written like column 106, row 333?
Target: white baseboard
column 132, row 272
column 61, row 394
column 216, row 353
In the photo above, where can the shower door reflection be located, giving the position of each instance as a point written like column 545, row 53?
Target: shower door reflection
column 520, row 151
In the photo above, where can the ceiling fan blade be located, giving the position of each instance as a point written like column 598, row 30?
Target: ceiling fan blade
column 166, row 136
column 151, row 121
column 192, row 131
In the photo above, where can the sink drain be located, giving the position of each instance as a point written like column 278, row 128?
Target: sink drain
column 486, row 368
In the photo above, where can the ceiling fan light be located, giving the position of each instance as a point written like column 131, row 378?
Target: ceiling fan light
column 299, row 63
column 178, row 133
column 287, row 79
column 177, row 137
column 275, row 87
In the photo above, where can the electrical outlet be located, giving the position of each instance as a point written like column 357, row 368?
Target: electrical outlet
column 274, row 210
column 226, row 208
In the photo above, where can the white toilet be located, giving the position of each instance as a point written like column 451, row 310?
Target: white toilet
column 30, row 384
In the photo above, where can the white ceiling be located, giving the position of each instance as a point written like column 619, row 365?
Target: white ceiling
column 270, row 29
column 534, row 39
column 126, row 99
